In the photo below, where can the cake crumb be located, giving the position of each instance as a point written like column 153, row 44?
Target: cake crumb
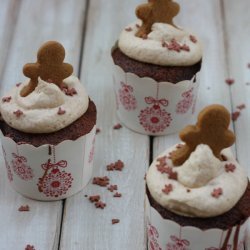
column 25, row 208
column 98, row 130
column 230, row 81
column 61, row 111
column 86, row 195
column 115, row 221
column 18, row 84
column 30, row 247
column 128, row 29
column 117, row 126
column 235, row 115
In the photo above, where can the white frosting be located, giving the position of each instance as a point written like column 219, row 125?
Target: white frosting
column 197, row 178
column 40, row 108
column 150, row 50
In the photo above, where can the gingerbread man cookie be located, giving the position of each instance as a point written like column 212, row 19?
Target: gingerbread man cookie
column 211, row 129
column 49, row 67
column 162, row 11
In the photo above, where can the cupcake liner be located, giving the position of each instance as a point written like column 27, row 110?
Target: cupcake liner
column 167, row 235
column 49, row 172
column 154, row 108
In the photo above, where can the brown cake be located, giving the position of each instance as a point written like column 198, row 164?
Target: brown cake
column 173, row 74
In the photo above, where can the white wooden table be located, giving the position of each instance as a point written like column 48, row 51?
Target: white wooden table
column 88, row 29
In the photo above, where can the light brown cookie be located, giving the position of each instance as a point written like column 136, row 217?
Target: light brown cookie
column 211, row 129
column 49, row 66
column 162, row 11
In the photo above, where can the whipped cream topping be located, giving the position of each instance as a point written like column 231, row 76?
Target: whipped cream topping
column 158, row 47
column 204, row 187
column 47, row 109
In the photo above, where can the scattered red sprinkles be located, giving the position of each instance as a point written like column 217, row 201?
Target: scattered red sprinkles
column 18, row 84
column 230, row 167
column 217, row 192
column 115, row 221
column 241, row 106
column 61, row 111
column 118, row 165
column 193, row 39
column 117, row 195
column 174, row 45
column 229, row 81
column 94, row 198
column 168, row 188
column 100, row 204
column 164, row 168
column 98, row 131
column 111, row 188
column 30, row 247
column 129, row 29
column 235, row 115
column 101, row 181
column 18, row 113
column 6, row 99
column 117, row 126
column 25, row 208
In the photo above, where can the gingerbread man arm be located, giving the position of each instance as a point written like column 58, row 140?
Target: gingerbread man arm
column 229, row 138
column 66, row 70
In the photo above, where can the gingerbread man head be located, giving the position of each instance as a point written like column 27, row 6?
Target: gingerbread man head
column 162, row 11
column 49, row 66
column 211, row 129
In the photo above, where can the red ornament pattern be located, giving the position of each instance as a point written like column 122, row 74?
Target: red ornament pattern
column 92, row 151
column 184, row 105
column 9, row 172
column 153, row 235
column 126, row 97
column 177, row 244
column 19, row 165
column 54, row 182
column 155, row 119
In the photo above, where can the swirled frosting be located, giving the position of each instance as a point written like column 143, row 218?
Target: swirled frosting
column 47, row 109
column 204, row 187
column 159, row 48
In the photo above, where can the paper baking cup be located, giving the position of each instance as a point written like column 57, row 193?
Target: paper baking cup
column 167, row 235
column 154, row 108
column 49, row 172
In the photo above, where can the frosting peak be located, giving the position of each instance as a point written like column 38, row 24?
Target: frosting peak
column 46, row 109
column 165, row 45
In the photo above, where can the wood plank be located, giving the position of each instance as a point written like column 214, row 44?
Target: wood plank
column 84, row 226
column 237, row 36
column 8, row 16
column 38, row 21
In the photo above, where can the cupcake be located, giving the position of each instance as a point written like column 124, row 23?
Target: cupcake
column 48, row 129
column 156, row 68
column 198, row 195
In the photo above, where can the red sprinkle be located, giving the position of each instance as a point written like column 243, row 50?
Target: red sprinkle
column 129, row 29
column 229, row 81
column 193, row 39
column 100, row 204
column 30, row 247
column 6, row 99
column 117, row 126
column 117, row 195
column 61, row 111
column 94, row 198
column 18, row 113
column 217, row 192
column 168, row 188
column 101, row 181
column 115, row 221
column 118, row 165
column 235, row 115
column 185, row 47
column 25, row 208
column 111, row 188
column 230, row 167
column 242, row 106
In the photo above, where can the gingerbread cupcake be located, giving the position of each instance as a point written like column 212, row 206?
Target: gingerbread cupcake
column 156, row 71
column 48, row 129
column 198, row 195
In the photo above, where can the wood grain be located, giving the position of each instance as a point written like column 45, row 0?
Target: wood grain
column 84, row 226
column 38, row 21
